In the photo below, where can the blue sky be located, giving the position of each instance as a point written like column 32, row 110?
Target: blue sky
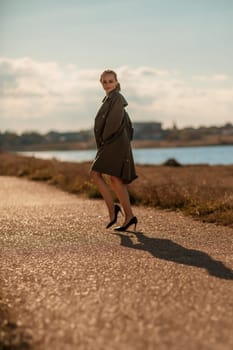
column 173, row 59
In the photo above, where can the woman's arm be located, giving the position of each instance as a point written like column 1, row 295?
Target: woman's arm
column 114, row 118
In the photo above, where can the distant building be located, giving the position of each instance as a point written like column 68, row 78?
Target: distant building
column 148, row 131
column 227, row 129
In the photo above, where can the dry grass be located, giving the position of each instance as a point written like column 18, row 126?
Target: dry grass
column 205, row 192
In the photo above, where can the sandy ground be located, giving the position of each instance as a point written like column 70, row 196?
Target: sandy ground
column 72, row 284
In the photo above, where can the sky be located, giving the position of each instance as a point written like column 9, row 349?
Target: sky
column 173, row 58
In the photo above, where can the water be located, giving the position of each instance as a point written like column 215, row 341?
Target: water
column 185, row 155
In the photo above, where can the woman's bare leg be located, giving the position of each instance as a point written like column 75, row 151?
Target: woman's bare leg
column 123, row 196
column 104, row 190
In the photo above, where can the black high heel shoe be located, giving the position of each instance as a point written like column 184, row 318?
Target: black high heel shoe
column 117, row 208
column 132, row 221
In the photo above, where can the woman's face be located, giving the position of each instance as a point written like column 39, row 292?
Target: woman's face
column 109, row 82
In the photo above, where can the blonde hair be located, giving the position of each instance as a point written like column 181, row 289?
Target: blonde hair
column 109, row 71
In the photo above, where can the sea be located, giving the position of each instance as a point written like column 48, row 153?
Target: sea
column 212, row 155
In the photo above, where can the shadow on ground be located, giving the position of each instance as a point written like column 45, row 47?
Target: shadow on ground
column 166, row 249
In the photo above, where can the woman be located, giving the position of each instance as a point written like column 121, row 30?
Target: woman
column 113, row 133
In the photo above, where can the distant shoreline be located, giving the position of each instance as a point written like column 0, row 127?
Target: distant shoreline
column 68, row 146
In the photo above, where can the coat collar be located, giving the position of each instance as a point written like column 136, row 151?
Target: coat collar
column 110, row 95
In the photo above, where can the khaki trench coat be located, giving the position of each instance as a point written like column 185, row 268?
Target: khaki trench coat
column 113, row 133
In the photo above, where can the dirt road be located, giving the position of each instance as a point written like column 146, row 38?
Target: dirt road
column 72, row 284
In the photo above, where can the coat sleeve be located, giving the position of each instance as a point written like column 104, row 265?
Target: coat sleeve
column 114, row 118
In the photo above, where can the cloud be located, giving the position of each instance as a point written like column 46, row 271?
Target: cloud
column 166, row 96
column 215, row 77
column 37, row 95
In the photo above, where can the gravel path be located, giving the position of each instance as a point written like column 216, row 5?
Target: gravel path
column 72, row 284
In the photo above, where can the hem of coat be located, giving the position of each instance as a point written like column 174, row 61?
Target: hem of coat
column 129, row 181
column 125, row 181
